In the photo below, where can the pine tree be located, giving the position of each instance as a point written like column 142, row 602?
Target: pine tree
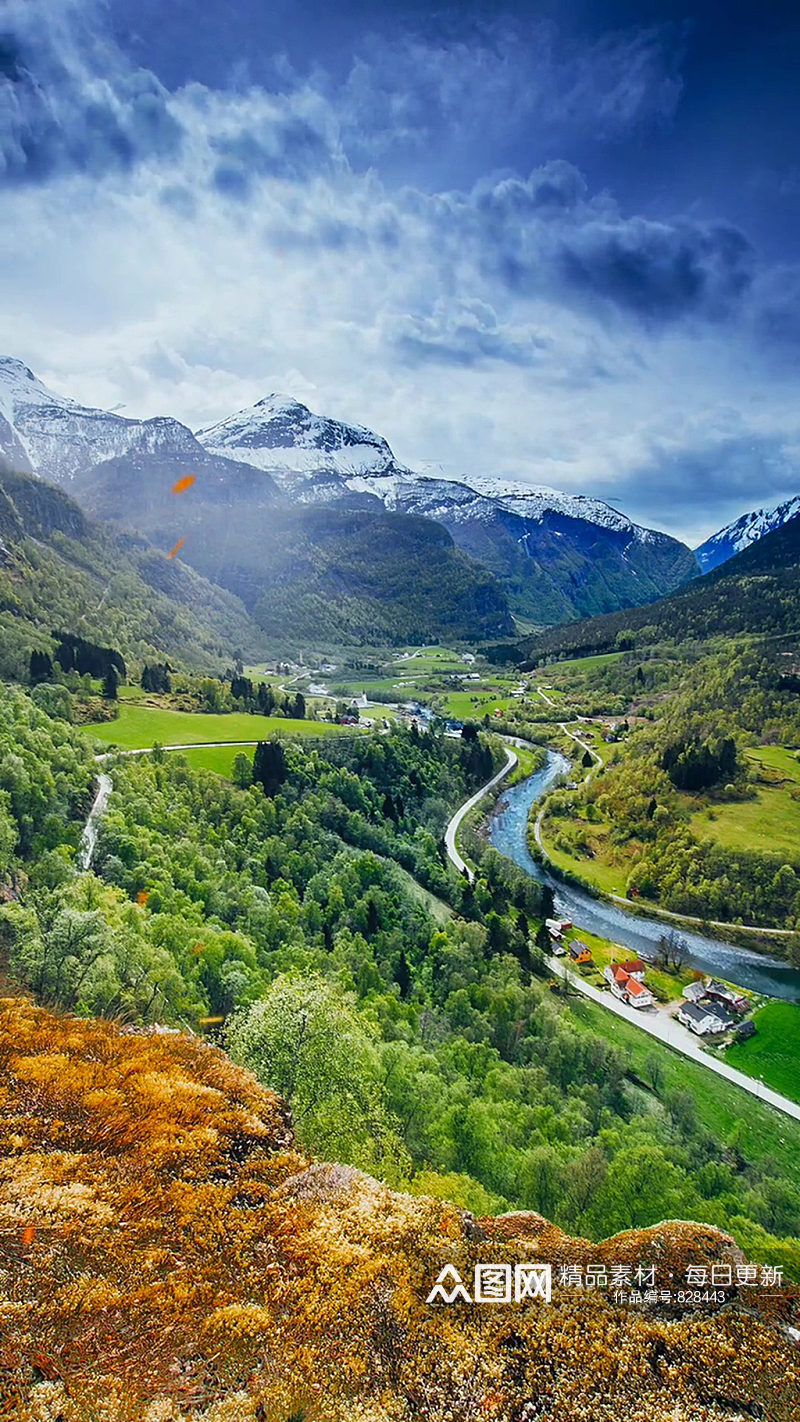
column 269, row 766
column 41, row 667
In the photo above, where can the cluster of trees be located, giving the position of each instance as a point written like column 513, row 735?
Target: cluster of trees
column 87, row 658
column 46, row 773
column 265, row 700
column 156, row 677
column 693, row 763
column 637, row 812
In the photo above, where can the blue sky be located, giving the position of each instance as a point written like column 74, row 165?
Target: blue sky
column 557, row 243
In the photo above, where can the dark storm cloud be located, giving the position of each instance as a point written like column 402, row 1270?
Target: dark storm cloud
column 660, row 271
column 546, row 236
column 731, row 475
column 68, row 104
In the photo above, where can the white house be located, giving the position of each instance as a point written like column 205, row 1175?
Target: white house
column 694, row 991
column 629, row 986
column 700, row 1020
column 557, row 925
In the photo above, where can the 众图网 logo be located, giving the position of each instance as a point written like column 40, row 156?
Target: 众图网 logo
column 493, row 1283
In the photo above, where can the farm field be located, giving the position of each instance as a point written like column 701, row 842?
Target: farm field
column 774, row 1053
column 217, row 758
column 475, row 703
column 770, row 823
column 777, row 760
column 140, row 726
column 610, row 878
column 602, row 659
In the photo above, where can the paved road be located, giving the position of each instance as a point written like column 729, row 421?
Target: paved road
column 676, row 1036
column 452, row 829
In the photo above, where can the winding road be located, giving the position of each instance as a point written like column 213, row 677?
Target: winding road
column 452, row 829
column 656, row 1024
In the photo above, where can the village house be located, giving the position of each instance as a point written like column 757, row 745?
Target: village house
column 726, row 996
column 635, row 969
column 557, row 927
column 704, row 1019
column 579, row 953
column 693, row 992
column 626, row 981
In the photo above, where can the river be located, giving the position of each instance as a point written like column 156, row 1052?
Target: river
column 508, row 834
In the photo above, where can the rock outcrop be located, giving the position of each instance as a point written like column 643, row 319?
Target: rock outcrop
column 166, row 1252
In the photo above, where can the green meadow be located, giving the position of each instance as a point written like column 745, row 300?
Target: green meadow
column 774, row 1053
column 140, row 726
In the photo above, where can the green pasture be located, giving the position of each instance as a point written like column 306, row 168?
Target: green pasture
column 722, row 1106
column 770, row 823
column 140, row 726
column 774, row 1053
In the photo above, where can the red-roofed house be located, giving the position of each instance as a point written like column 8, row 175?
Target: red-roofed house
column 635, row 969
column 627, row 986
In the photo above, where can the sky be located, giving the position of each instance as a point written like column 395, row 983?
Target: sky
column 556, row 243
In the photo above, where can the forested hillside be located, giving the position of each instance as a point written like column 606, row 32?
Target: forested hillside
column 62, row 572
column 410, row 1035
column 756, row 591
column 695, row 808
column 344, row 573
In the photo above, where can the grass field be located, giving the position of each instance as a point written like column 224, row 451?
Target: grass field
column 473, row 705
column 774, row 1054
column 721, row 1105
column 602, row 659
column 217, row 758
column 140, row 726
column 610, row 878
column 777, row 760
column 769, row 823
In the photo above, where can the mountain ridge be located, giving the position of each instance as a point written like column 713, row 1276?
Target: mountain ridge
column 61, row 570
column 744, row 531
column 556, row 555
column 756, row 591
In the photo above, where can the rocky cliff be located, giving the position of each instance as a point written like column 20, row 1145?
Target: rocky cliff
column 167, row 1253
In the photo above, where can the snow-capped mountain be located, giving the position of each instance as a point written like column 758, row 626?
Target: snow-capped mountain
column 284, row 437
column 312, row 457
column 559, row 554
column 746, row 530
column 58, row 437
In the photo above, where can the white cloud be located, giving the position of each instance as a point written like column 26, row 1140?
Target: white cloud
column 525, row 328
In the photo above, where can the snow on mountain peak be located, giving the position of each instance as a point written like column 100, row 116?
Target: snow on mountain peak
column 536, row 500
column 58, row 437
column 743, row 531
column 283, row 436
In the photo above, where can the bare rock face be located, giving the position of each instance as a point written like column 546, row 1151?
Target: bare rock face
column 167, row 1254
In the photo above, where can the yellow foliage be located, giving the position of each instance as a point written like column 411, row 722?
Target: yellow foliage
column 167, row 1255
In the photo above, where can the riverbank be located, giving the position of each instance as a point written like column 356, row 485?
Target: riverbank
column 636, row 930
column 507, row 832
